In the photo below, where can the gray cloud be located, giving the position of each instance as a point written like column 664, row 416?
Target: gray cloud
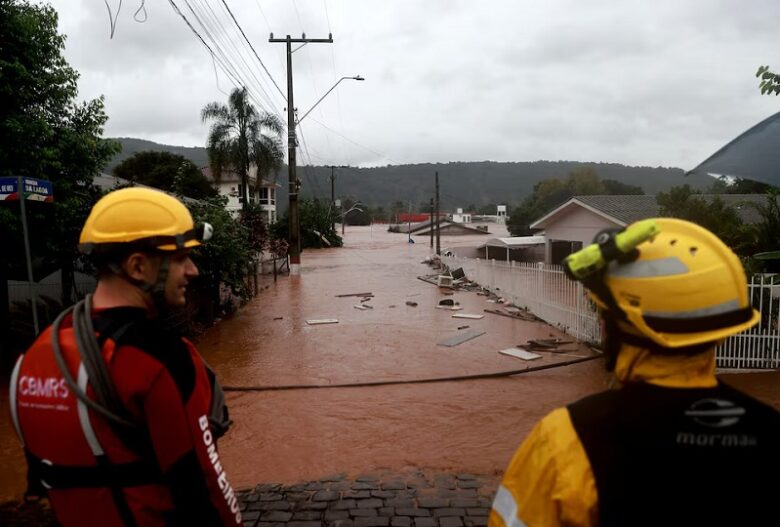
column 651, row 83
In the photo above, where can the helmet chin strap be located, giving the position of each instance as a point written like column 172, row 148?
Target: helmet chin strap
column 156, row 288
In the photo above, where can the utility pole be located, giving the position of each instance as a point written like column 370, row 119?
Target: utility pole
column 333, row 196
column 431, row 223
column 438, row 227
column 292, row 143
column 409, row 222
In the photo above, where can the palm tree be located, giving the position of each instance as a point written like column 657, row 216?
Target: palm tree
column 240, row 136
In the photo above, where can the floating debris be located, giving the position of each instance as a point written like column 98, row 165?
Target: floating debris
column 520, row 353
column 460, row 338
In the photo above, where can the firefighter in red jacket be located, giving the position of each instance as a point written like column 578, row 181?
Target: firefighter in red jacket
column 673, row 445
column 119, row 416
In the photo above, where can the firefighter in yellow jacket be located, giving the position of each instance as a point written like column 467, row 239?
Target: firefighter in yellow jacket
column 672, row 445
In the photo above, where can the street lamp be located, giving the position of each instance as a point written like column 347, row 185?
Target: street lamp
column 344, row 215
column 295, row 183
column 355, row 78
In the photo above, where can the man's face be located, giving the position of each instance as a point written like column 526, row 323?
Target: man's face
column 181, row 270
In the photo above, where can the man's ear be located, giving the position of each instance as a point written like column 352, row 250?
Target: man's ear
column 139, row 266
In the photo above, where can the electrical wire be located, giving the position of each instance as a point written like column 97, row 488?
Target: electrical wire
column 253, row 51
column 383, row 156
column 142, row 8
column 215, row 27
column 268, row 25
column 111, row 18
column 312, row 181
column 477, row 376
column 216, row 77
column 335, row 79
column 238, row 75
column 202, row 41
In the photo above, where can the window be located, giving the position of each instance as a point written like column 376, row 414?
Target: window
column 267, row 196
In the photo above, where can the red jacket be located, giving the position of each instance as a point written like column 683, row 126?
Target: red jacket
column 166, row 471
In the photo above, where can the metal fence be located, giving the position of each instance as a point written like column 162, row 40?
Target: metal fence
column 549, row 294
column 19, row 292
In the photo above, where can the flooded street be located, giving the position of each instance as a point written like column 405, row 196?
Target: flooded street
column 303, row 434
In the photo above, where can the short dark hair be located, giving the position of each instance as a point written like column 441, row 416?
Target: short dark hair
column 107, row 262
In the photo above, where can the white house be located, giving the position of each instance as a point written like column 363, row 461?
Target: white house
column 262, row 192
column 461, row 217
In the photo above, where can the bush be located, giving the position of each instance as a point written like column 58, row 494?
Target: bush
column 224, row 260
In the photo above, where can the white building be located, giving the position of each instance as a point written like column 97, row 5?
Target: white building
column 263, row 193
column 461, row 217
column 501, row 214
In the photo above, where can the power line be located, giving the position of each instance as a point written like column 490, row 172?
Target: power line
column 355, row 142
column 219, row 29
column 316, row 187
column 213, row 55
column 239, row 79
column 253, row 50
column 268, row 25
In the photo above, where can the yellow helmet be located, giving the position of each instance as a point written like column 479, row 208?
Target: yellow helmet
column 685, row 288
column 140, row 216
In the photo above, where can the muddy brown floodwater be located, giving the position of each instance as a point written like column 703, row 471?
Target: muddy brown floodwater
column 304, row 434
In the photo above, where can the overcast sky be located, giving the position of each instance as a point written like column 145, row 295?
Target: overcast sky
column 658, row 83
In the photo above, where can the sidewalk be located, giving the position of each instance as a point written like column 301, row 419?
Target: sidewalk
column 382, row 499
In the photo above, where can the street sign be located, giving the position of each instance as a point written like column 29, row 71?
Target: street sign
column 34, row 189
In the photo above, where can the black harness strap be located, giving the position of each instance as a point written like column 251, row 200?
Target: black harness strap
column 105, row 474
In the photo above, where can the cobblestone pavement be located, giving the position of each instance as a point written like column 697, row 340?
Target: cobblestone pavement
column 417, row 499
column 383, row 499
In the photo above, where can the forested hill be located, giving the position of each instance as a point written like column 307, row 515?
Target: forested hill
column 461, row 184
column 130, row 146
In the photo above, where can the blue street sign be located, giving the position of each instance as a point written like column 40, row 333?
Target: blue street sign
column 34, row 189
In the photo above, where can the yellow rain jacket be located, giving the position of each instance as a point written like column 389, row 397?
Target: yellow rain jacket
column 549, row 481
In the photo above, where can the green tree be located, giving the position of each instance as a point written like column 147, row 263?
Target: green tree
column 714, row 215
column 616, row 188
column 45, row 133
column 316, row 221
column 396, row 208
column 240, row 137
column 224, row 260
column 765, row 235
column 166, row 171
column 770, row 81
column 552, row 192
column 727, row 185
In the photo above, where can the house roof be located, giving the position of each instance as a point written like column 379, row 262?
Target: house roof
column 625, row 209
column 447, row 225
column 514, row 242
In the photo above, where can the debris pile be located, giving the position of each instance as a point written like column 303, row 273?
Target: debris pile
column 549, row 345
